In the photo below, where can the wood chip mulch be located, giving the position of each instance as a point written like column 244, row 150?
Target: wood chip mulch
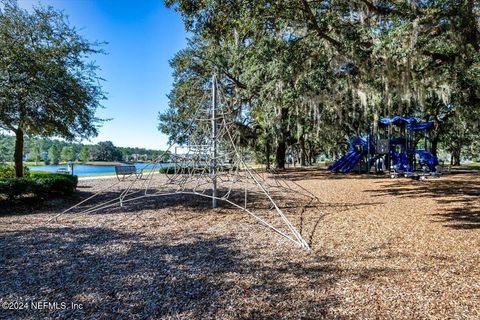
column 381, row 249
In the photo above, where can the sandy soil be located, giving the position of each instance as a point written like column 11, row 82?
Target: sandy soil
column 381, row 249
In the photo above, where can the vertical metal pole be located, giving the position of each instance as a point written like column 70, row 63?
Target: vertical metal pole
column 368, row 147
column 389, row 146
column 214, row 141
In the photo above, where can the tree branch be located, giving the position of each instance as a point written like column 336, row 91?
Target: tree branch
column 439, row 56
column 382, row 10
column 234, row 79
column 313, row 25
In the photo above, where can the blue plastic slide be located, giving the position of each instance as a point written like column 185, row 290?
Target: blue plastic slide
column 351, row 158
column 347, row 162
column 357, row 155
column 341, row 162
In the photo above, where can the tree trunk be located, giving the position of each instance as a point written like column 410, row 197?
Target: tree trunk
column 268, row 151
column 311, row 154
column 434, row 145
column 281, row 140
column 471, row 18
column 302, row 151
column 456, row 158
column 18, row 155
column 281, row 151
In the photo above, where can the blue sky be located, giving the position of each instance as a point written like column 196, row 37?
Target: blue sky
column 142, row 36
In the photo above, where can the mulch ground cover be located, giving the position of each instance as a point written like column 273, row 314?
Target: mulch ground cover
column 381, row 249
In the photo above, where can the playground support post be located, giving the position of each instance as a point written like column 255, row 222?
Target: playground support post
column 369, row 137
column 387, row 155
column 214, row 141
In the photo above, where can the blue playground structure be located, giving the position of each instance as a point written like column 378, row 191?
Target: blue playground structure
column 352, row 157
column 391, row 148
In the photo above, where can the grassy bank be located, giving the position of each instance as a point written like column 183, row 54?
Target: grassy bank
column 93, row 163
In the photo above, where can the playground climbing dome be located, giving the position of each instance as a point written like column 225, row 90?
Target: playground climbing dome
column 213, row 165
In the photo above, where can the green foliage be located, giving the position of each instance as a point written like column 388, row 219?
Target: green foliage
column 58, row 92
column 36, row 152
column 81, row 152
column 7, row 172
column 168, row 170
column 308, row 74
column 54, row 154
column 47, row 185
column 135, row 154
column 84, row 154
column 14, row 187
column 105, row 151
column 67, row 153
column 39, row 185
column 41, row 173
column 48, row 86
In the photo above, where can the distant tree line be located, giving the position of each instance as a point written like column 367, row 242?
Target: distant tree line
column 51, row 151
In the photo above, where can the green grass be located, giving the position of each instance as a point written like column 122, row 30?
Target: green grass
column 25, row 163
column 39, row 172
column 145, row 171
column 41, row 163
column 100, row 163
column 469, row 166
column 97, row 175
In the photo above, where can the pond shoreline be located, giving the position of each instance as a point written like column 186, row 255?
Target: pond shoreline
column 89, row 170
column 108, row 176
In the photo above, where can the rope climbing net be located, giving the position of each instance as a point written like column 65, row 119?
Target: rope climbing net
column 210, row 163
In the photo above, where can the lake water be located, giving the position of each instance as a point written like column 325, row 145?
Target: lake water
column 86, row 169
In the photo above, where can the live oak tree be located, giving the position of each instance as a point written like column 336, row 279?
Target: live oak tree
column 105, row 151
column 312, row 73
column 48, row 87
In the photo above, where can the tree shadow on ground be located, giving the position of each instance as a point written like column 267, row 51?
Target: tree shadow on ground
column 120, row 274
column 301, row 174
column 462, row 217
column 460, row 198
column 31, row 205
column 306, row 214
column 310, row 221
column 165, row 196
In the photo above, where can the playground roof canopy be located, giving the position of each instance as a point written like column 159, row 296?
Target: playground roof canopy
column 402, row 121
column 421, row 126
column 396, row 120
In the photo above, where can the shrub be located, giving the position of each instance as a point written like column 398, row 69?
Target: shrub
column 7, row 171
column 168, row 170
column 14, row 187
column 55, row 183
column 41, row 185
column 36, row 173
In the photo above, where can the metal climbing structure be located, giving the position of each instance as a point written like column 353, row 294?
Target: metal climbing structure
column 210, row 164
